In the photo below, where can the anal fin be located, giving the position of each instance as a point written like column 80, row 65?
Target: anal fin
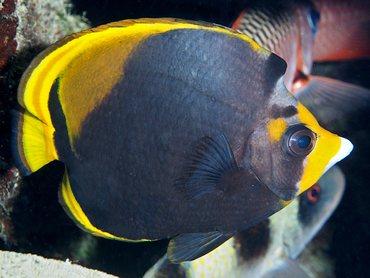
column 188, row 247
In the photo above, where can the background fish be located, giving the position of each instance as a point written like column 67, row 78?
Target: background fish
column 303, row 32
column 169, row 129
column 269, row 248
column 343, row 30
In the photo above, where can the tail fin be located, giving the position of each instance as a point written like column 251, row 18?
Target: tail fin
column 32, row 142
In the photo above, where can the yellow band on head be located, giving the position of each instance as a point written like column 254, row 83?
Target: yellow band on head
column 327, row 146
column 276, row 129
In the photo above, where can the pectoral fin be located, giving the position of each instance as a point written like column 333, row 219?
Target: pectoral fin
column 206, row 165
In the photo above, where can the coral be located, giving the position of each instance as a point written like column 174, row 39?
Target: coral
column 26, row 265
column 8, row 26
column 9, row 189
column 42, row 23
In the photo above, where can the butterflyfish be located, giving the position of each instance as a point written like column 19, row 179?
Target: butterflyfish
column 169, row 129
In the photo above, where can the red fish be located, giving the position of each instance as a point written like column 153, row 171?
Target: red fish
column 344, row 31
column 306, row 32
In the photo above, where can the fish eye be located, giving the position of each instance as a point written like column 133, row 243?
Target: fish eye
column 299, row 141
column 313, row 193
column 313, row 19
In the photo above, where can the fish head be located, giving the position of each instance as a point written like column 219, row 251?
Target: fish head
column 290, row 151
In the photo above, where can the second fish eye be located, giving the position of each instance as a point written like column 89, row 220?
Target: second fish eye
column 313, row 17
column 299, row 141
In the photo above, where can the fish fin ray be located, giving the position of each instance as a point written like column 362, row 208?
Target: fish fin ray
column 327, row 98
column 209, row 160
column 164, row 268
column 188, row 247
column 289, row 269
column 17, row 149
column 32, row 142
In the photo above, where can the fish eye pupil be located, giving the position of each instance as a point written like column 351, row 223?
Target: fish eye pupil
column 303, row 141
column 313, row 19
column 315, row 16
column 314, row 193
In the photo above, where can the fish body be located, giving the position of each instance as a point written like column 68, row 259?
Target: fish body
column 304, row 32
column 268, row 249
column 169, row 129
column 344, row 30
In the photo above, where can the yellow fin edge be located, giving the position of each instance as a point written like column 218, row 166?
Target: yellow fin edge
column 75, row 212
column 35, row 145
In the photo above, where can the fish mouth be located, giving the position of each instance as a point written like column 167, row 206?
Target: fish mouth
column 346, row 148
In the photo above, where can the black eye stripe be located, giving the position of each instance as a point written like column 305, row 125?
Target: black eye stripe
column 283, row 112
column 298, row 141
